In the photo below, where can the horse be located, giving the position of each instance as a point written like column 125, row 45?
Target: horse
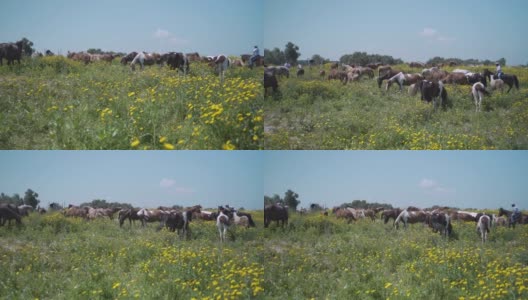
column 177, row 220
column 223, row 222
column 495, row 84
column 478, row 90
column 434, row 74
column 483, row 227
column 206, row 215
column 464, row 216
column 270, row 81
column 193, row 56
column 176, row 60
column 403, row 79
column 338, row 75
column 75, row 211
column 388, row 214
column 131, row 214
column 12, row 52
column 416, row 65
column 409, row 217
column 149, row 215
column 128, row 58
column 220, row 62
column 145, row 59
column 277, row 213
column 510, row 80
column 498, row 221
column 300, row 72
column 512, row 220
column 386, row 72
column 441, row 222
column 24, row 210
column 8, row 213
column 259, row 60
column 434, row 91
column 346, row 213
column 278, row 71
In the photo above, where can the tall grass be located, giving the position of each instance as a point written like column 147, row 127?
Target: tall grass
column 314, row 113
column 56, row 103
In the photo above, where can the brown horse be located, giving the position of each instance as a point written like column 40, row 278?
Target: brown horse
column 410, row 217
column 345, row 213
column 510, row 80
column 388, row 214
column 7, row 213
column 130, row 214
column 384, row 73
column 275, row 212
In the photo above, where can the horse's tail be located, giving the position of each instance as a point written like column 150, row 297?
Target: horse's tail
column 516, row 81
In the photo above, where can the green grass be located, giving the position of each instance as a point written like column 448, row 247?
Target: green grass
column 319, row 257
column 314, row 113
column 56, row 103
column 53, row 257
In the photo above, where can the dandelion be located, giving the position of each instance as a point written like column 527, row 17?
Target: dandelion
column 135, row 142
column 168, row 146
column 163, row 139
column 228, row 146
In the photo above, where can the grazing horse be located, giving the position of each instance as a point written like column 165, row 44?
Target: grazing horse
column 194, row 56
column 434, row 91
column 275, row 212
column 478, row 90
column 75, row 211
column 176, row 60
column 512, row 218
column 510, row 80
column 409, row 217
column 483, row 227
column 128, row 58
column 300, row 72
column 388, row 214
column 149, row 215
column 131, row 214
column 403, row 79
column 220, row 62
column 322, row 73
column 434, row 74
column 145, row 59
column 338, row 75
column 8, row 213
column 279, row 71
column 177, row 220
column 346, row 213
column 384, row 73
column 441, row 222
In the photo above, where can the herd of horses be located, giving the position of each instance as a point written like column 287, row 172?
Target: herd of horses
column 439, row 220
column 430, row 82
column 170, row 218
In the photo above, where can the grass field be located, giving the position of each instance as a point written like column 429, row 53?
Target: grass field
column 56, row 103
column 314, row 113
column 53, row 257
column 320, row 257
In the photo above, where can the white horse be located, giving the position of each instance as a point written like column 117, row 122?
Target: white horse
column 240, row 220
column 403, row 79
column 461, row 71
column 221, row 62
column 483, row 227
column 222, row 223
column 478, row 90
column 496, row 84
column 144, row 59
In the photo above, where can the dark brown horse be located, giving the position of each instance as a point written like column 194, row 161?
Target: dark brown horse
column 130, row 214
column 388, row 214
column 176, row 60
column 270, row 81
column 386, row 72
column 512, row 220
column 12, row 52
column 7, row 213
column 345, row 213
column 275, row 212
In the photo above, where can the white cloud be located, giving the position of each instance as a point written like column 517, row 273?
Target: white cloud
column 428, row 32
column 433, row 186
column 167, row 183
column 433, row 34
column 165, row 35
column 427, row 183
column 161, row 33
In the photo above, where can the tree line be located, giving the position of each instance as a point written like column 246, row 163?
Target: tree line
column 290, row 54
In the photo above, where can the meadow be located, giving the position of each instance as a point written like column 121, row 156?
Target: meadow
column 318, row 257
column 53, row 257
column 314, row 113
column 57, row 103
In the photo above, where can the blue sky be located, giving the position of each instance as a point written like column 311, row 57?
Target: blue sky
column 209, row 27
column 465, row 179
column 410, row 30
column 144, row 179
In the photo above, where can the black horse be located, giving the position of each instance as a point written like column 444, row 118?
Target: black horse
column 510, row 80
column 176, row 60
column 7, row 213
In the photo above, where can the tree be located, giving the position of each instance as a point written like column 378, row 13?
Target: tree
column 95, row 51
column 318, row 59
column 290, row 199
column 26, row 46
column 291, row 53
column 274, row 57
column 272, row 200
column 30, row 198
column 502, row 61
column 315, row 207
